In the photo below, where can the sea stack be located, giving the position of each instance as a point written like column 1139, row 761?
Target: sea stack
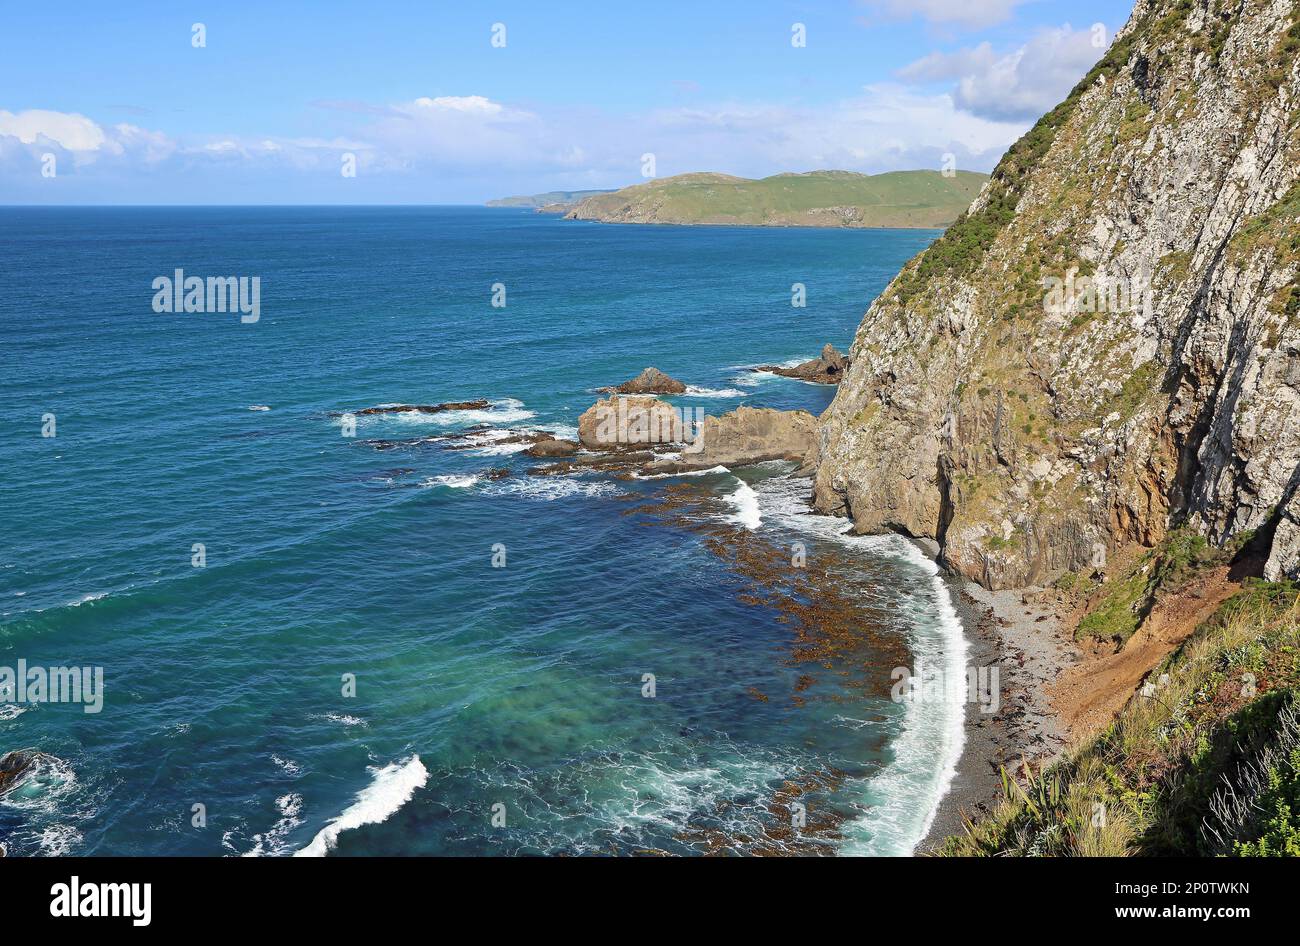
column 651, row 381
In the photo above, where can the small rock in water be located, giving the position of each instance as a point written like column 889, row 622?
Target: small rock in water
column 826, row 368
column 478, row 405
column 14, row 764
column 651, row 381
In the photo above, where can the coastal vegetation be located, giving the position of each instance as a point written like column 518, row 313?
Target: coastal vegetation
column 1204, row 760
column 1124, row 603
column 961, row 249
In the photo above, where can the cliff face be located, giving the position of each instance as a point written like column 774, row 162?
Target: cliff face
column 1107, row 344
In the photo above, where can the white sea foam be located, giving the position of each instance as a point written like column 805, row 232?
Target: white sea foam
column 661, row 792
column 451, row 481
column 712, row 471
column 390, row 789
column 288, row 766
column 12, row 711
column 501, row 411
column 926, row 752
column 258, row 407
column 47, row 781
column 486, row 443
column 500, row 450
column 694, row 391
column 748, row 513
column 275, row 841
column 75, row 602
column 56, row 840
column 482, row 437
column 549, row 488
column 751, row 377
column 342, row 719
column 905, row 796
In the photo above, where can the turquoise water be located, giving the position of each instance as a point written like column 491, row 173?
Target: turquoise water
column 518, row 687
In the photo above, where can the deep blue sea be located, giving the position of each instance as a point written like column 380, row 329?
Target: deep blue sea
column 497, row 710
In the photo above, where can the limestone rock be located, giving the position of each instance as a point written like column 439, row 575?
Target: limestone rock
column 620, row 423
column 745, row 436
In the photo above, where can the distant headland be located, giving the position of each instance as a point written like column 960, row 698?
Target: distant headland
column 814, row 199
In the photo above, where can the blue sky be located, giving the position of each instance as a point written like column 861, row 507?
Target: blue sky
column 113, row 103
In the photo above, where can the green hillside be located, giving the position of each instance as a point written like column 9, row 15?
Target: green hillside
column 814, row 199
column 549, row 199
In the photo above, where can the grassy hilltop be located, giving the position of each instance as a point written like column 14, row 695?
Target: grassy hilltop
column 814, row 199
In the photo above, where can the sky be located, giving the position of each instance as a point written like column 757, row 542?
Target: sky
column 440, row 102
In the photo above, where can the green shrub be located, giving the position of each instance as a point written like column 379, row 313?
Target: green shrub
column 1280, row 834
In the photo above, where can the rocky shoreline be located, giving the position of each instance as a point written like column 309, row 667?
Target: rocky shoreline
column 632, row 433
column 1025, row 640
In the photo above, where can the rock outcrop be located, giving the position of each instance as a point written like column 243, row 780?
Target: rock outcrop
column 745, row 436
column 826, row 368
column 1107, row 344
column 621, row 423
column 650, row 381
column 476, row 405
column 13, row 765
column 553, row 447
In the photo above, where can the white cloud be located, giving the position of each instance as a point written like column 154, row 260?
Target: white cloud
column 972, row 14
column 70, row 131
column 887, row 127
column 1019, row 85
column 471, row 104
column 472, row 147
column 152, row 146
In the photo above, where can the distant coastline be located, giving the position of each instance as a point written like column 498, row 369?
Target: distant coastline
column 825, row 199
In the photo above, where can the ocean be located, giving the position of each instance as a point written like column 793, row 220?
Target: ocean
column 313, row 643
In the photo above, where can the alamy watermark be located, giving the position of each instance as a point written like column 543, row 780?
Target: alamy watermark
column 658, row 422
column 1096, row 294
column 181, row 293
column 977, row 686
column 78, row 899
column 35, row 684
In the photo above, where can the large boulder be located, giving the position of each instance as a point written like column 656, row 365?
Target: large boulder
column 619, row 423
column 826, row 368
column 552, row 448
column 651, row 381
column 745, row 436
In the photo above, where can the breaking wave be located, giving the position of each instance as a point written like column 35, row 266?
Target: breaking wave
column 391, row 788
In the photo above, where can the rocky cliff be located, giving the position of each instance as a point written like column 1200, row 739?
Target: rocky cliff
column 1106, row 345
